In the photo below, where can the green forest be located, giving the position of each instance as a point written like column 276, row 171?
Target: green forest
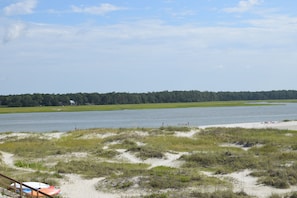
column 38, row 99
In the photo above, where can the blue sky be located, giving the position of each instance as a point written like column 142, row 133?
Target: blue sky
column 74, row 46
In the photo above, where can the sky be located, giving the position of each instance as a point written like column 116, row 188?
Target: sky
column 73, row 46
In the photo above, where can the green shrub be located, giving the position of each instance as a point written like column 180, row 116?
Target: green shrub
column 124, row 184
column 277, row 178
column 145, row 152
column 108, row 153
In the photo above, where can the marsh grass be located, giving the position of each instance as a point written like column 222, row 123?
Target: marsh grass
column 125, row 106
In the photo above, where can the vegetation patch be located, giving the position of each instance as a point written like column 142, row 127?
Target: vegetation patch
column 105, row 153
column 221, row 162
column 94, row 169
column 145, row 152
column 31, row 165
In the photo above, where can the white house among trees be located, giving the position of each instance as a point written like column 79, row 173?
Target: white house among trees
column 72, row 102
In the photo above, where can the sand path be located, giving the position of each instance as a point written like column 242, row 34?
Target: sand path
column 76, row 187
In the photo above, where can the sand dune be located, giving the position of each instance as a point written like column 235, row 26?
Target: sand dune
column 76, row 187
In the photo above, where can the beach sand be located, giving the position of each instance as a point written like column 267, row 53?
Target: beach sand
column 290, row 125
column 74, row 186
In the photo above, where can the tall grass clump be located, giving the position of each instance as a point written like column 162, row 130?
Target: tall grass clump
column 220, row 162
column 31, row 165
column 161, row 177
column 93, row 169
column 145, row 152
column 278, row 177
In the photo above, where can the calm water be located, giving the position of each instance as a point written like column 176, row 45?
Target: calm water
column 65, row 121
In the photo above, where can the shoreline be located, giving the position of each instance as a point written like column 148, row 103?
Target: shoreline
column 283, row 125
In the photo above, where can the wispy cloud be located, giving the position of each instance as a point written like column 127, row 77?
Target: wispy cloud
column 99, row 10
column 243, row 6
column 21, row 7
column 280, row 22
column 13, row 32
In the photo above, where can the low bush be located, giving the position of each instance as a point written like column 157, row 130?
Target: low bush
column 145, row 152
column 105, row 153
column 278, row 177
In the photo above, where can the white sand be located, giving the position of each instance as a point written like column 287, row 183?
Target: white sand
column 186, row 134
column 291, row 125
column 76, row 187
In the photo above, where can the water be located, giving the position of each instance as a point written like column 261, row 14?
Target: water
column 65, row 121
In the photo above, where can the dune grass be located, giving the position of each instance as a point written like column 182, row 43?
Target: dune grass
column 270, row 154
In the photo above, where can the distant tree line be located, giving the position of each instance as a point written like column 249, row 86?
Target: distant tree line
column 37, row 99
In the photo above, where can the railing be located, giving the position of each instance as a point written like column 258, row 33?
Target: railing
column 6, row 181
